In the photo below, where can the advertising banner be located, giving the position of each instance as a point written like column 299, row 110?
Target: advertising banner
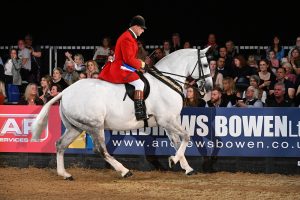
column 15, row 129
column 255, row 132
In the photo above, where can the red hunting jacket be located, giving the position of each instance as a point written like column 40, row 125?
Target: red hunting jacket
column 125, row 52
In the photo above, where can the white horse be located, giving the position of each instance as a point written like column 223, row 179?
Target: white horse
column 94, row 105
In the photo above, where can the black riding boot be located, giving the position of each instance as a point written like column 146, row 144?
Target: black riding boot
column 139, row 105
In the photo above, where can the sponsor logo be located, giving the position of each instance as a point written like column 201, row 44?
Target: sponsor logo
column 16, row 128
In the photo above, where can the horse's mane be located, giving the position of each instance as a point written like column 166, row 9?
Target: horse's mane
column 176, row 55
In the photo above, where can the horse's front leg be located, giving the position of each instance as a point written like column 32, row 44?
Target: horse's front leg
column 176, row 132
column 175, row 139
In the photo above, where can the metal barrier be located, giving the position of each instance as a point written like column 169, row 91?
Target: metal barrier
column 54, row 54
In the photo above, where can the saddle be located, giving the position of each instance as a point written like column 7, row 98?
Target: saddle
column 130, row 88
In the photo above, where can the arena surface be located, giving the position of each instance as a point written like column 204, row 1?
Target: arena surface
column 34, row 183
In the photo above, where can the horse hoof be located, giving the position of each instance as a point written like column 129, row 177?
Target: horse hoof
column 69, row 178
column 128, row 174
column 191, row 173
column 171, row 162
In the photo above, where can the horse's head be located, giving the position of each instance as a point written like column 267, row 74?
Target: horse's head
column 200, row 71
column 188, row 62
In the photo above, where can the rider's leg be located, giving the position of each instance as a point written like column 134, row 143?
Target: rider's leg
column 139, row 104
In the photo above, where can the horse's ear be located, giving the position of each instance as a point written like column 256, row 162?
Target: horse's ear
column 203, row 51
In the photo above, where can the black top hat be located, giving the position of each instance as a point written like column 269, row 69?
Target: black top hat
column 139, row 21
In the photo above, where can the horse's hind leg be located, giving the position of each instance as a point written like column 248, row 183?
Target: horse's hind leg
column 100, row 148
column 66, row 139
column 175, row 139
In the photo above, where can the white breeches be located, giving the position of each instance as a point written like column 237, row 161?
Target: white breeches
column 138, row 84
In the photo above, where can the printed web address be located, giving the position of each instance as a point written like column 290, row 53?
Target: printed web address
column 207, row 144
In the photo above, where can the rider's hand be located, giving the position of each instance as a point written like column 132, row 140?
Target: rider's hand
column 148, row 60
column 142, row 70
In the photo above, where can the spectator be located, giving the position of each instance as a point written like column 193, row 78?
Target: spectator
column 103, row 52
column 289, row 75
column 254, row 81
column 54, row 91
column 142, row 53
column 70, row 75
column 95, row 75
column 216, row 99
column 251, row 100
column 25, row 55
column 2, row 92
column 229, row 94
column 212, row 52
column 187, row 45
column 92, row 67
column 31, row 96
column 44, row 91
column 82, row 75
column 265, row 75
column 216, row 76
column 12, row 69
column 277, row 48
column 193, row 98
column 252, row 62
column 35, row 57
column 57, row 78
column 225, row 71
column 289, row 86
column 231, row 50
column 176, row 45
column 158, row 55
column 295, row 60
column 241, row 73
column 78, row 61
column 297, row 45
column 273, row 60
column 228, row 60
column 167, row 47
column 2, row 76
column 278, row 98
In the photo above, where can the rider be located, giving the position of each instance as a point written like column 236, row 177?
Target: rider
column 122, row 69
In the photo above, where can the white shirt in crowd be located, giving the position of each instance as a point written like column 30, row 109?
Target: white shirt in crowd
column 25, row 53
column 101, row 52
column 8, row 68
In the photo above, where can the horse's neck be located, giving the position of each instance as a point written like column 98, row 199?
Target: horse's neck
column 176, row 72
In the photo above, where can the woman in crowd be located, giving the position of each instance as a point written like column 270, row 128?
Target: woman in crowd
column 103, row 52
column 265, row 75
column 12, row 69
column 229, row 94
column 277, row 48
column 193, row 98
column 57, row 78
column 216, row 76
column 92, row 67
column 54, row 91
column 251, row 99
column 44, row 90
column 31, row 96
column 289, row 72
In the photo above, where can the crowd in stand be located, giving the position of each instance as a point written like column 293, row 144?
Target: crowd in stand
column 267, row 80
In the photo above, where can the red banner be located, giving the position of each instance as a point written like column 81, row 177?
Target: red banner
column 15, row 129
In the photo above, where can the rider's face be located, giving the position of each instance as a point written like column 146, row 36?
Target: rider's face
column 139, row 31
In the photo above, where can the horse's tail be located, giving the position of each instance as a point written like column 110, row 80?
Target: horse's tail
column 41, row 120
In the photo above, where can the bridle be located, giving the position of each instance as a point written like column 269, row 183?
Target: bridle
column 202, row 76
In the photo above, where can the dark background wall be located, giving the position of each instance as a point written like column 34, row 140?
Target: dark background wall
column 86, row 22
